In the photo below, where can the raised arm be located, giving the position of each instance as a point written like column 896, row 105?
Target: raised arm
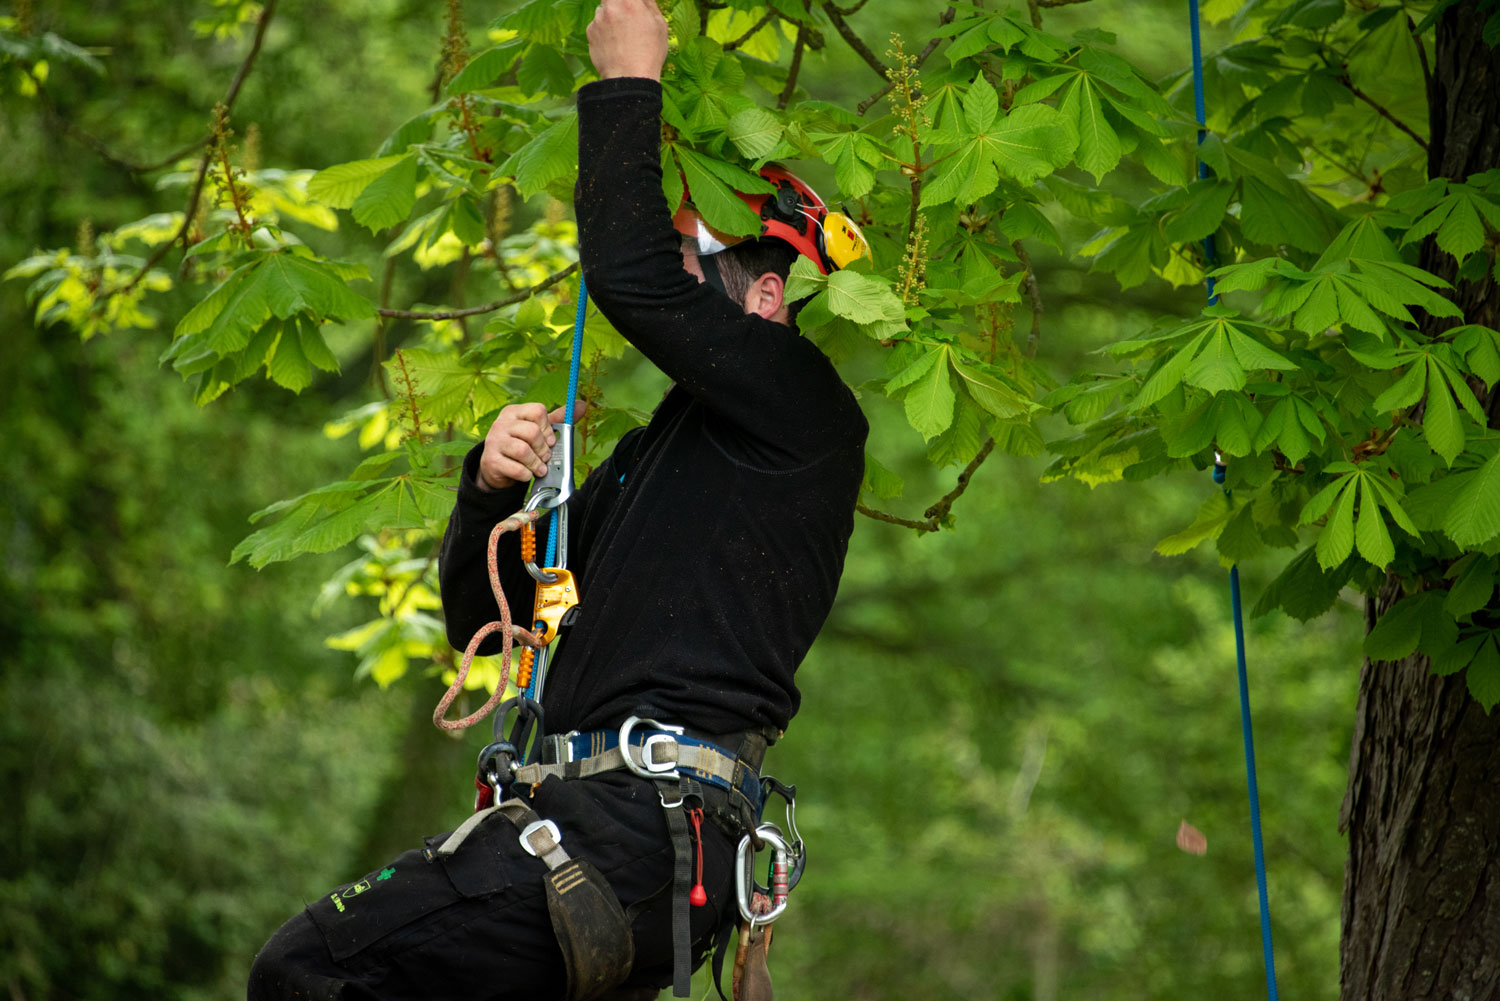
column 768, row 382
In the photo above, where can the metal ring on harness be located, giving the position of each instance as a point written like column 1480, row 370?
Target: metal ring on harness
column 648, row 767
column 745, row 886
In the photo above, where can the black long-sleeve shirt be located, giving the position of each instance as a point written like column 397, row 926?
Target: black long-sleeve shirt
column 708, row 546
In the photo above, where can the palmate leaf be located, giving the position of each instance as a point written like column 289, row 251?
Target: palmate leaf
column 1029, row 142
column 447, row 385
column 712, row 184
column 1473, row 517
column 1303, row 589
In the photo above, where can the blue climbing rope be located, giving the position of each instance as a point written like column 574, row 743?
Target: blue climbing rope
column 572, row 400
column 583, row 304
column 1210, row 257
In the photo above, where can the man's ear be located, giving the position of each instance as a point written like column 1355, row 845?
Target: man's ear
column 767, row 297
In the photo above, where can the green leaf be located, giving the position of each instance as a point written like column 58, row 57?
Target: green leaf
column 1405, row 391
column 1241, row 538
column 1370, row 534
column 1473, row 587
column 1483, row 675
column 1202, row 213
column 1457, row 657
column 1253, row 354
column 543, row 70
column 287, row 366
column 879, row 481
column 721, row 207
column 1212, row 516
column 1462, row 233
column 1303, row 589
column 1440, row 422
column 549, row 158
column 755, row 132
column 1098, row 144
column 914, row 371
column 861, row 298
column 1336, row 541
column 1031, row 142
column 339, row 185
column 1399, row 630
column 981, row 105
column 1473, row 519
column 929, row 401
column 989, row 392
column 484, row 69
column 1168, row 376
column 1216, row 369
column 388, row 199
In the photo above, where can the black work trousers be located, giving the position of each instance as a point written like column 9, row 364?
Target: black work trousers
column 474, row 925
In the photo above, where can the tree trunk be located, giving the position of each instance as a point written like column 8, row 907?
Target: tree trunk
column 1421, row 914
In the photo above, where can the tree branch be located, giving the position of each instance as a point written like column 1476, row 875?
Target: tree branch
column 489, row 307
column 1382, row 111
column 1411, row 26
column 731, row 46
column 228, row 102
column 934, row 515
column 793, row 71
column 855, row 42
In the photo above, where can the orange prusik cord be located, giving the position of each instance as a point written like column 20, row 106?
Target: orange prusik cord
column 509, row 632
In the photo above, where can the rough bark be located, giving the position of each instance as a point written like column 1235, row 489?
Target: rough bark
column 1421, row 913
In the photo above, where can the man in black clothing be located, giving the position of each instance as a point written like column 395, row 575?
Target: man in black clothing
column 708, row 549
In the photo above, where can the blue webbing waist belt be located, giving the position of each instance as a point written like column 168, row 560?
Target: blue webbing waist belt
column 662, row 755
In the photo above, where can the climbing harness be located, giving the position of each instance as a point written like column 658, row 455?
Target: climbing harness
column 1220, row 472
column 698, row 776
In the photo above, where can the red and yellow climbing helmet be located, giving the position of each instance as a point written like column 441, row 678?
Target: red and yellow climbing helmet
column 792, row 213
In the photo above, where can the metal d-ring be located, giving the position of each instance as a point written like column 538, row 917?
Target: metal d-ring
column 648, row 768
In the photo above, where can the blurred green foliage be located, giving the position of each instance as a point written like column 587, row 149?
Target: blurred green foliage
column 1003, row 725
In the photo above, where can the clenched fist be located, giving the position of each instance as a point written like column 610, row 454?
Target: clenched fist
column 519, row 444
column 628, row 38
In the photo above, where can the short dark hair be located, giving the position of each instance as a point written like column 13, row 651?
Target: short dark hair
column 743, row 263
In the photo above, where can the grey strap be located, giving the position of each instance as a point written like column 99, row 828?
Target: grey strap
column 682, row 881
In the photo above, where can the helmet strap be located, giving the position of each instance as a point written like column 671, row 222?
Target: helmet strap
column 710, row 265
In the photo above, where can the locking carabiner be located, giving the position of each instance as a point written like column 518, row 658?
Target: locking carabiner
column 745, row 885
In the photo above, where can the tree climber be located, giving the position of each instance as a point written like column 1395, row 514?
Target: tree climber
column 708, row 549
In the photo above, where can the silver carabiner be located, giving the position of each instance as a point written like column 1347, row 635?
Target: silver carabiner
column 648, row 767
column 551, row 492
column 745, row 886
